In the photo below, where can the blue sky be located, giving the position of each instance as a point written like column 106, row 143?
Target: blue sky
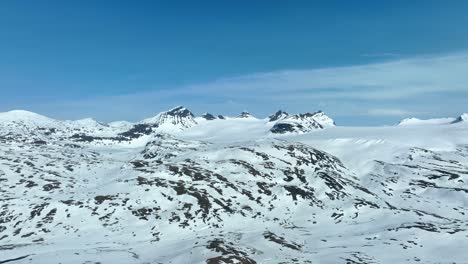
column 363, row 62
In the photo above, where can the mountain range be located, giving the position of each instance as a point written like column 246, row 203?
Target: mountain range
column 180, row 188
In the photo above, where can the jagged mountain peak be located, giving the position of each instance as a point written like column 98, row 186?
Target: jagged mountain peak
column 245, row 114
column 22, row 115
column 280, row 114
column 208, row 116
column 322, row 118
column 301, row 123
column 26, row 118
column 413, row 121
column 180, row 111
column 176, row 119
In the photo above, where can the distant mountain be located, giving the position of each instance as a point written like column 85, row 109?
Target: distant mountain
column 209, row 116
column 245, row 114
column 176, row 119
column 412, row 121
column 462, row 118
column 323, row 119
column 300, row 123
column 277, row 116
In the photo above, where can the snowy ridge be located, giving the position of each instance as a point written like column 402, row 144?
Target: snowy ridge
column 434, row 121
column 245, row 114
column 176, row 119
column 280, row 114
column 300, row 123
column 230, row 191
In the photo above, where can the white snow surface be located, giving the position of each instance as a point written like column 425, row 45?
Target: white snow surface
column 176, row 189
column 433, row 121
column 26, row 117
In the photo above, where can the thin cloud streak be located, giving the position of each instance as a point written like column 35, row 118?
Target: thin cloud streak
column 380, row 81
column 376, row 89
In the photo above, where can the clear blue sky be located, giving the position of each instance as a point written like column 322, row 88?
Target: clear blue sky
column 130, row 59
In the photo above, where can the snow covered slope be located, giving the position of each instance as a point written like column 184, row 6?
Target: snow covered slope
column 230, row 191
column 434, row 121
column 26, row 117
column 176, row 119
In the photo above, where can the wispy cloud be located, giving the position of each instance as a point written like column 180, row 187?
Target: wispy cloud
column 378, row 55
column 378, row 89
column 395, row 79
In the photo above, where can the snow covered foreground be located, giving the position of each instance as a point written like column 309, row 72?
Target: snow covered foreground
column 177, row 188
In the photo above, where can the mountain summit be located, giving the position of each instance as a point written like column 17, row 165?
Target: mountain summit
column 245, row 114
column 463, row 118
column 176, row 119
column 300, row 123
column 280, row 114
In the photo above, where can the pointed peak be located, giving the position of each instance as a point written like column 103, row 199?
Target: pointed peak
column 88, row 122
column 23, row 116
column 320, row 117
column 323, row 119
column 245, row 114
column 208, row 116
column 280, row 114
column 180, row 111
column 176, row 119
column 462, row 118
column 311, row 114
column 177, row 108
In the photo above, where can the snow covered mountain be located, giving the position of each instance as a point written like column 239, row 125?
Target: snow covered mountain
column 178, row 189
column 463, row 118
column 176, row 119
column 245, row 114
column 280, row 114
column 25, row 117
column 412, row 121
column 209, row 117
column 299, row 123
